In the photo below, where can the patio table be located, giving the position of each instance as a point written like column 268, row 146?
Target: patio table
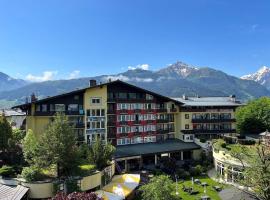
column 204, row 184
column 205, row 197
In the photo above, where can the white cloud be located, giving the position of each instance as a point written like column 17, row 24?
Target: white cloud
column 114, row 78
column 74, row 74
column 46, row 76
column 142, row 66
column 147, row 80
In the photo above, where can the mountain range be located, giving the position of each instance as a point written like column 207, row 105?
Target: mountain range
column 262, row 76
column 173, row 80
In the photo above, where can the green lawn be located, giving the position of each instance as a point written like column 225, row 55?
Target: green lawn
column 209, row 189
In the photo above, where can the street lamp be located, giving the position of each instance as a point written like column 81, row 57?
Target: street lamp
column 176, row 186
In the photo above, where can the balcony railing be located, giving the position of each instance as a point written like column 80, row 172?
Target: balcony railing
column 162, row 120
column 111, row 123
column 111, row 111
column 210, row 131
column 173, row 110
column 160, row 110
column 50, row 113
column 164, row 131
column 212, row 120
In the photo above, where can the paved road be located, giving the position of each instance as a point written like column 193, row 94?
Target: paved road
column 233, row 193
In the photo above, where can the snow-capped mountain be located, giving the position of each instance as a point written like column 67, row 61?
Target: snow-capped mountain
column 173, row 80
column 262, row 76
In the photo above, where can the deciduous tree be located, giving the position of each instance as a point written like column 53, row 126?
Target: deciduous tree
column 159, row 188
column 100, row 154
column 254, row 118
column 5, row 134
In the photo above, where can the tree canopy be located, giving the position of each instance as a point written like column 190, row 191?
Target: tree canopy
column 159, row 188
column 100, row 154
column 257, row 170
column 5, row 134
column 58, row 146
column 254, row 118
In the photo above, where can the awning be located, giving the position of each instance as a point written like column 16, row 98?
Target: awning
column 11, row 193
column 168, row 146
column 108, row 196
column 127, row 178
column 120, row 189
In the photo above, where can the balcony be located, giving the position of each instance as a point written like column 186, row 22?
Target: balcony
column 163, row 131
column 51, row 113
column 212, row 120
column 123, row 122
column 150, row 110
column 127, row 100
column 208, row 131
column 80, row 125
column 125, row 111
column 111, row 123
column 111, row 112
column 173, row 110
column 162, row 120
column 161, row 110
column 80, row 139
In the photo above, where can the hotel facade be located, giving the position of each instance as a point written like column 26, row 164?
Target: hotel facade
column 143, row 125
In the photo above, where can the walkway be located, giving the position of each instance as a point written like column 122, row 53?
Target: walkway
column 231, row 192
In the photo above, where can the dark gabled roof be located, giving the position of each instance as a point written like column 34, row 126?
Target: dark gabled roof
column 98, row 85
column 153, row 148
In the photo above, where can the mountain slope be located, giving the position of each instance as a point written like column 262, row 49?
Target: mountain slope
column 262, row 76
column 174, row 80
column 8, row 83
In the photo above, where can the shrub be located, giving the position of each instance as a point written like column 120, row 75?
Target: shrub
column 198, row 170
column 202, row 140
column 31, row 173
column 223, row 145
column 76, row 195
column 183, row 174
column 7, row 171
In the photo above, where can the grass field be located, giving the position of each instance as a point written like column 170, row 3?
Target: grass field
column 209, row 189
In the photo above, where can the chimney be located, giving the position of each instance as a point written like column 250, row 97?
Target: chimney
column 232, row 97
column 33, row 97
column 185, row 97
column 92, row 83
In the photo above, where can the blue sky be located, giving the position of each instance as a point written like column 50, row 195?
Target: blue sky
column 52, row 39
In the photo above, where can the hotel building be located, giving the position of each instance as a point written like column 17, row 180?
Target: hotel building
column 143, row 125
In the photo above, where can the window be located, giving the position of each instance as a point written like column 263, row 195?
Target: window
column 186, row 116
column 95, row 100
column 76, row 97
column 136, row 140
column 123, row 141
column 60, row 107
column 149, row 97
column 44, row 107
column 132, row 95
column 73, row 107
column 122, row 95
column 52, row 107
column 187, row 126
column 37, row 108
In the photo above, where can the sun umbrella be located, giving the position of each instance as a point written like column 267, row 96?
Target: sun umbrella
column 108, row 196
column 127, row 178
column 121, row 189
